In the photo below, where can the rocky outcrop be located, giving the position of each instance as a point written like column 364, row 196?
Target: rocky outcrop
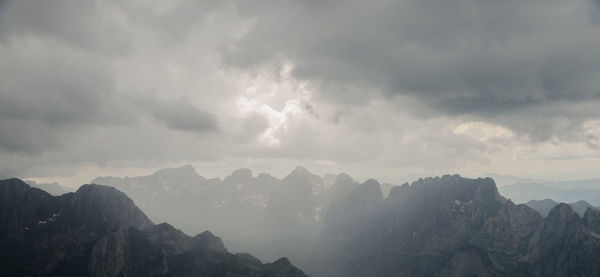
column 453, row 226
column 99, row 231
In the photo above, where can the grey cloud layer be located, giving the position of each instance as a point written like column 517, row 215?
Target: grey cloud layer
column 458, row 57
column 78, row 23
column 57, row 75
column 95, row 83
column 179, row 115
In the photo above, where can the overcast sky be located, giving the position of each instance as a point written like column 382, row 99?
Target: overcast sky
column 379, row 88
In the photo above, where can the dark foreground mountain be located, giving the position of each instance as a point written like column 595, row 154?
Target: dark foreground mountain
column 98, row 231
column 452, row 226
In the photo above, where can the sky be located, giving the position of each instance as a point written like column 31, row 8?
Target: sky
column 375, row 88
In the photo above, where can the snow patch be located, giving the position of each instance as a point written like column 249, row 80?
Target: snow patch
column 54, row 216
column 219, row 203
column 257, row 199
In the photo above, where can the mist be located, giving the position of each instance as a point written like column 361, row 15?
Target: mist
column 321, row 223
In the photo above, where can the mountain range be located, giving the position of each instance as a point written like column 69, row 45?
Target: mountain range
column 452, row 226
column 334, row 226
column 99, row 231
column 262, row 214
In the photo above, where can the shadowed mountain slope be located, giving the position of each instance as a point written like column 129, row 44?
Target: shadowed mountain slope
column 99, row 231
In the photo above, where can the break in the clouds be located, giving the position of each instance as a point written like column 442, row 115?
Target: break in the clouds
column 489, row 59
column 378, row 88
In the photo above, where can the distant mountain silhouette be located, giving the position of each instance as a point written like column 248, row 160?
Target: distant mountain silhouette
column 99, row 231
column 565, row 192
column 259, row 213
column 195, row 203
column 52, row 188
column 544, row 206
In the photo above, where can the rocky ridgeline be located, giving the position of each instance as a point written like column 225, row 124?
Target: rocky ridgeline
column 452, row 226
column 99, row 231
column 261, row 214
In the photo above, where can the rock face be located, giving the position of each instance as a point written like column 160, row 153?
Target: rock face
column 98, row 231
column 452, row 226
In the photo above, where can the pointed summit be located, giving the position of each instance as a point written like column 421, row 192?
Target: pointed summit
column 239, row 176
column 300, row 170
column 369, row 191
column 343, row 178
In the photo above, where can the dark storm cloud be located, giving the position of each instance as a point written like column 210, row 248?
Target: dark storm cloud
column 58, row 88
column 59, row 81
column 179, row 115
column 459, row 57
column 47, row 89
column 78, row 23
column 144, row 83
column 107, row 27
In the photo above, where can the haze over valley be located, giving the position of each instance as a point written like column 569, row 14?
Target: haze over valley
column 324, row 225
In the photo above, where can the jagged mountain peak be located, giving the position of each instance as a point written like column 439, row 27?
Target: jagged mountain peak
column 343, row 178
column 170, row 181
column 177, row 172
column 343, row 184
column 208, row 240
column 370, row 190
column 449, row 188
column 264, row 175
column 182, row 169
column 371, row 182
column 300, row 170
column 242, row 172
column 302, row 175
column 239, row 176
